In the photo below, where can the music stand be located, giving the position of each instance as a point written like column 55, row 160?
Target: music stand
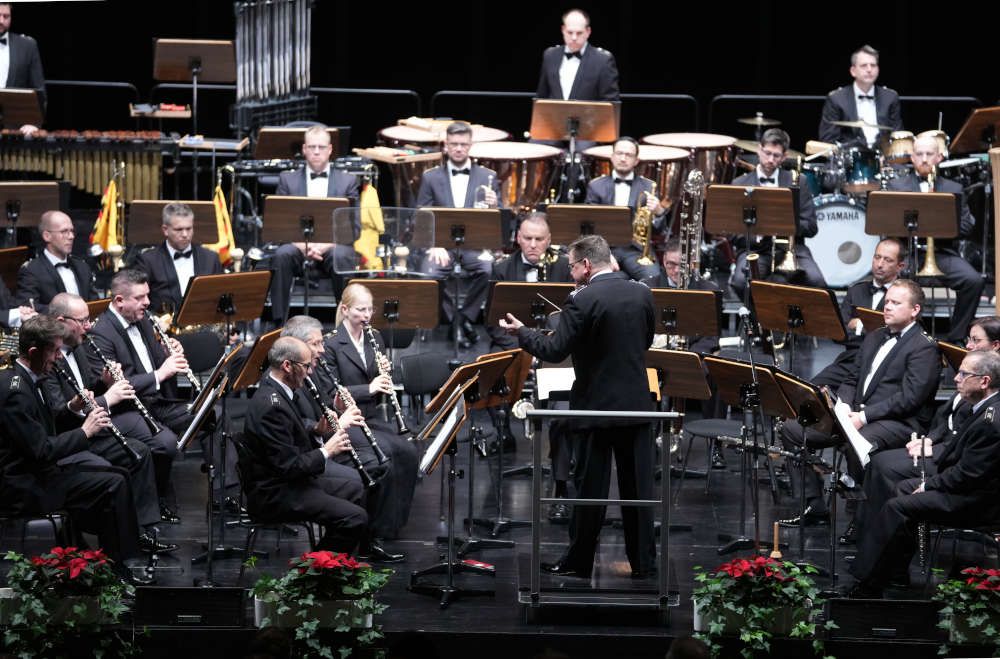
column 797, row 310
column 952, row 354
column 404, row 303
column 930, row 214
column 870, row 319
column 293, row 219
column 97, row 307
column 979, row 132
column 688, row 312
column 753, row 388
column 145, row 219
column 19, row 107
column 278, row 143
column 567, row 222
column 595, row 121
column 253, row 367
column 25, row 202
column 11, row 259
column 532, row 301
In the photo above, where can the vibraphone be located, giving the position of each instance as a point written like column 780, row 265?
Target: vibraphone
column 86, row 158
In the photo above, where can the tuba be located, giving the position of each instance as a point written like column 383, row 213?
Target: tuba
column 930, row 268
column 642, row 228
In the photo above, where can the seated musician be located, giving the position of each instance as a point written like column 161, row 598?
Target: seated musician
column 875, row 104
column 888, row 261
column 32, row 479
column 317, row 179
column 456, row 184
column 624, row 187
column 12, row 314
column 286, row 471
column 55, row 270
column 351, row 358
column 381, row 501
column 959, row 487
column 958, row 275
column 771, row 151
column 171, row 265
column 70, row 412
column 890, row 389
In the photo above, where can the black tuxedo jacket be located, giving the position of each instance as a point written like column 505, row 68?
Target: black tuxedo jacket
column 841, row 105
column 163, row 283
column 344, row 361
column 970, row 463
column 112, row 339
column 7, row 302
column 25, row 70
column 601, row 190
column 607, row 327
column 294, row 184
column 806, row 226
column 596, row 79
column 38, row 280
column 910, row 182
column 903, row 387
column 29, row 445
column 435, row 188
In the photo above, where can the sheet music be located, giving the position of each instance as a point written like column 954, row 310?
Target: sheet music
column 862, row 447
column 445, row 431
column 554, row 379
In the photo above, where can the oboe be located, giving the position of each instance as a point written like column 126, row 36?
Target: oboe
column 161, row 336
column 90, row 406
column 118, row 376
column 331, row 418
column 380, row 360
column 349, row 400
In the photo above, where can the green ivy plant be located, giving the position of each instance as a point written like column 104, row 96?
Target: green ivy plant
column 971, row 604
column 754, row 590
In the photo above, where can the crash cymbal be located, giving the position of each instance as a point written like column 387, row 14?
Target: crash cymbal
column 747, row 145
column 759, row 121
column 859, row 124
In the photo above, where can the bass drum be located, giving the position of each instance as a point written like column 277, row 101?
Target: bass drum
column 841, row 248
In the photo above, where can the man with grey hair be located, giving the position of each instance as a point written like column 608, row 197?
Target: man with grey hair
column 959, row 487
column 172, row 264
column 55, row 270
column 875, row 104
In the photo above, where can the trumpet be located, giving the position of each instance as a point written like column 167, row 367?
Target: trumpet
column 162, row 337
column 349, row 401
column 116, row 373
column 642, row 228
column 789, row 263
column 331, row 418
column 380, row 360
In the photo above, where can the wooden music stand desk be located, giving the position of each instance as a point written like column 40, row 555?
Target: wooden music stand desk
column 19, row 107
column 285, row 217
column 870, row 319
column 682, row 373
column 688, row 312
column 254, row 365
column 33, row 199
column 145, row 219
column 225, row 298
column 568, row 222
column 924, row 214
column 10, row 262
column 515, row 376
column 466, row 228
column 524, row 301
column 798, row 310
column 177, row 60
column 404, row 303
column 595, row 121
column 730, row 375
column 979, row 132
column 952, row 354
column 488, row 370
column 737, row 209
column 97, row 307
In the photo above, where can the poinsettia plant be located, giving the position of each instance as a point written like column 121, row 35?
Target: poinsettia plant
column 971, row 607
column 753, row 591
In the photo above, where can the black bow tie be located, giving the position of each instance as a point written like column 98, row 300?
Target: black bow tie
column 456, row 172
column 626, row 181
column 182, row 255
column 866, row 97
column 891, row 335
column 531, row 266
column 577, row 55
column 876, row 289
column 63, row 264
column 313, row 175
column 3, row 40
column 767, row 179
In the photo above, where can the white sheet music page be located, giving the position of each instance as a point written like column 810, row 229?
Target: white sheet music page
column 862, row 447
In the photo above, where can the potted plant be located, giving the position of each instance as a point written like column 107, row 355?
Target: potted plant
column 322, row 590
column 971, row 611
column 756, row 598
column 62, row 598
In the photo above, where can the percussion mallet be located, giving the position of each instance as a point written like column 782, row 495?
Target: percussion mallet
column 776, row 553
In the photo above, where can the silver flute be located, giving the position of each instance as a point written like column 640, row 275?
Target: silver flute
column 116, row 373
column 348, row 399
column 161, row 336
column 331, row 418
column 90, row 406
column 380, row 361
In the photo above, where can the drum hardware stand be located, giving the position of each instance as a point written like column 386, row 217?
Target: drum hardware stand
column 571, row 177
column 308, row 226
column 13, row 213
column 795, row 320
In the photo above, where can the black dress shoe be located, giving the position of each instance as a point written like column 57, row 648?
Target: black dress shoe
column 563, row 569
column 850, row 536
column 169, row 516
column 137, row 578
column 470, row 332
column 463, row 343
column 377, row 553
column 863, row 591
column 559, row 513
column 718, row 460
column 811, row 518
column 151, row 545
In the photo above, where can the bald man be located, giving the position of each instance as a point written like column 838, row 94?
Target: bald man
column 55, row 270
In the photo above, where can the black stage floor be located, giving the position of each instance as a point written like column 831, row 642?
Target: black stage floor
column 493, row 626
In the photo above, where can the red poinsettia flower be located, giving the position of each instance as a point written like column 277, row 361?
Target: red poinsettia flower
column 76, row 566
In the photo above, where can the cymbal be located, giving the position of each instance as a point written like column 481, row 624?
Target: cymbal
column 751, row 145
column 860, row 123
column 759, row 121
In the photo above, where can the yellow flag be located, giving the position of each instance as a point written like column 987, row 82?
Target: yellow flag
column 372, row 226
column 224, row 227
column 107, row 229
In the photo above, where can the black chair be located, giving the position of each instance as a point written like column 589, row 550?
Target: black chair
column 423, row 374
column 62, row 529
column 985, row 534
column 202, row 349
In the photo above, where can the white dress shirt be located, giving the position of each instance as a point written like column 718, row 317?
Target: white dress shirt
column 623, row 191
column 567, row 71
column 132, row 331
column 459, row 182
column 66, row 274
column 5, row 61
column 530, row 272
column 769, row 184
column 867, row 112
column 880, row 356
column 183, row 266
column 319, row 186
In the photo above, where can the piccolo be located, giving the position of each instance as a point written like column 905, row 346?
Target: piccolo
column 118, row 376
column 380, row 360
column 349, row 401
column 161, row 336
column 331, row 418
column 90, row 406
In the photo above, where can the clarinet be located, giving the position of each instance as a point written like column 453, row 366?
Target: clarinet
column 379, row 359
column 162, row 337
column 90, row 406
column 349, row 400
column 118, row 377
column 331, row 418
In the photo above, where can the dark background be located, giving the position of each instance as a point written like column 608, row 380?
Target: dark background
column 702, row 49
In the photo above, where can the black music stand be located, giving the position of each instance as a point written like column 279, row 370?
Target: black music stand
column 25, row 203
column 797, row 310
column 291, row 219
column 568, row 222
column 753, row 388
column 595, row 121
column 929, row 214
column 19, row 107
column 279, row 143
column 145, row 220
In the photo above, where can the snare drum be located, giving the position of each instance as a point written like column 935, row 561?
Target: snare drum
column 900, row 147
column 942, row 139
column 861, row 166
column 663, row 165
column 714, row 155
column 841, row 248
column 526, row 171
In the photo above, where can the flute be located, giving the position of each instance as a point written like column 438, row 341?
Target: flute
column 118, row 376
column 162, row 337
column 349, row 401
column 380, row 360
column 90, row 406
column 331, row 418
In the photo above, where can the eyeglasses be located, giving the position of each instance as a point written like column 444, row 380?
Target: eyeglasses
column 961, row 375
column 573, row 263
column 302, row 364
column 83, row 321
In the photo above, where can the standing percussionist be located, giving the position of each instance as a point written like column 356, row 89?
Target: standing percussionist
column 607, row 326
column 768, row 174
column 875, row 104
column 577, row 71
column 55, row 270
column 20, row 65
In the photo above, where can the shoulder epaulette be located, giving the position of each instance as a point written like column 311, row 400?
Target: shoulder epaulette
column 834, row 91
column 15, row 383
column 989, row 414
column 275, row 399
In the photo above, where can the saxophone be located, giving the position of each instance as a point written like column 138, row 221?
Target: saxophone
column 642, row 228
